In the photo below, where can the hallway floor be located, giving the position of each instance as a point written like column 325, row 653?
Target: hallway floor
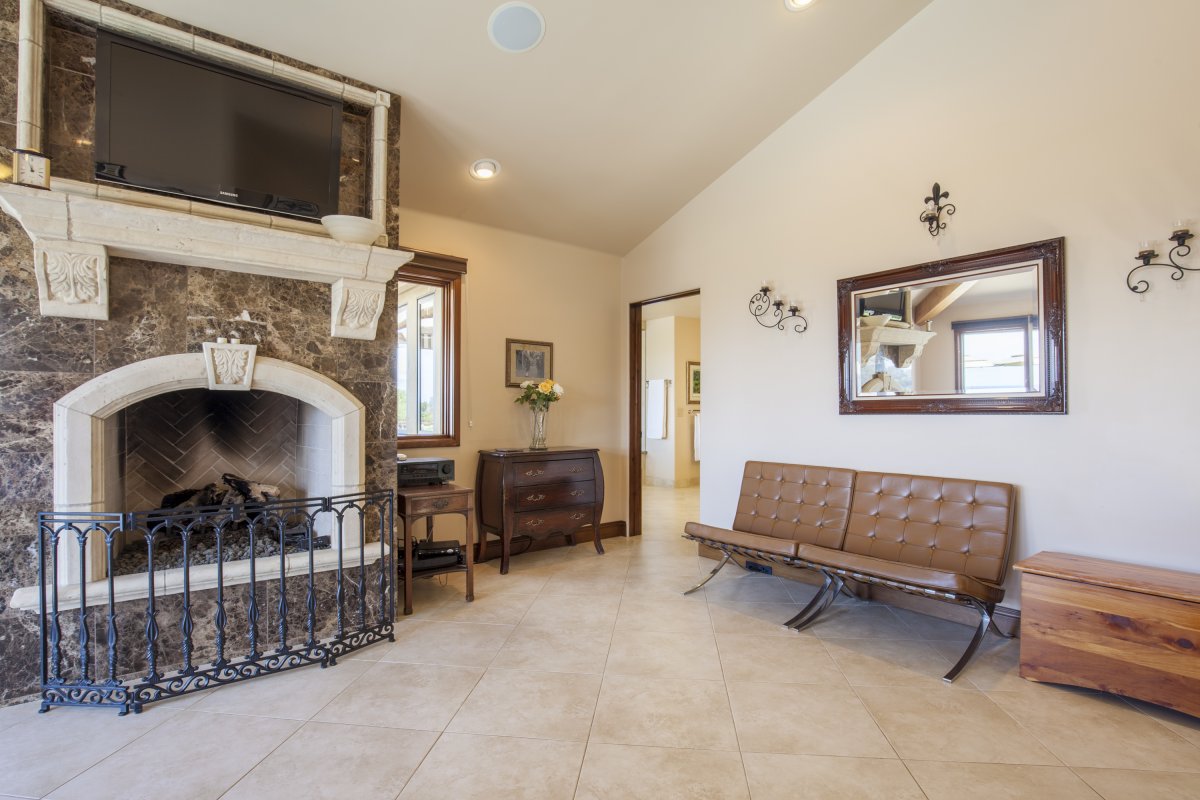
column 587, row 676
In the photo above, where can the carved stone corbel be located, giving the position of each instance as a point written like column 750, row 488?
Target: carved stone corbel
column 356, row 306
column 230, row 365
column 72, row 279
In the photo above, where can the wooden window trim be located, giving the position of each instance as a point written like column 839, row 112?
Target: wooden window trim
column 435, row 269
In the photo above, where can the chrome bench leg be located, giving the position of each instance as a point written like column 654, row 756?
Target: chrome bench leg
column 985, row 619
column 724, row 560
column 819, row 604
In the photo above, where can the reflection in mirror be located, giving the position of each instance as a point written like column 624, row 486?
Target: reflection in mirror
column 959, row 335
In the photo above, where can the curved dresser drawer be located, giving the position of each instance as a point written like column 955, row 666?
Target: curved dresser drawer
column 554, row 495
column 567, row 469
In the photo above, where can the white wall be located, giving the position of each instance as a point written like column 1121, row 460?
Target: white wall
column 1043, row 118
column 660, row 365
column 522, row 287
column 687, row 348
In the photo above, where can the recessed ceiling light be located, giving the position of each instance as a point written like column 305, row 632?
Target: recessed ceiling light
column 516, row 27
column 798, row 5
column 485, row 169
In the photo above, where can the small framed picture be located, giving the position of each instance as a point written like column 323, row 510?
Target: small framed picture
column 528, row 361
column 693, row 383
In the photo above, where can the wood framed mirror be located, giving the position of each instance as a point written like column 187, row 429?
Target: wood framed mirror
column 978, row 334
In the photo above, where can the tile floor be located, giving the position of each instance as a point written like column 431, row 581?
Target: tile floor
column 590, row 676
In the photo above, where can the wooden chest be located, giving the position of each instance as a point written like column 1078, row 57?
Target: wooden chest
column 1120, row 628
column 538, row 493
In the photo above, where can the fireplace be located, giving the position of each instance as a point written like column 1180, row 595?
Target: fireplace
column 110, row 457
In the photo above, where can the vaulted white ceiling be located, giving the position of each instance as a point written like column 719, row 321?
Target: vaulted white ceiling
column 623, row 113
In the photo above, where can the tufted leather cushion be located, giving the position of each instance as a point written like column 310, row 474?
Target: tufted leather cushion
column 748, row 541
column 908, row 574
column 956, row 526
column 794, row 501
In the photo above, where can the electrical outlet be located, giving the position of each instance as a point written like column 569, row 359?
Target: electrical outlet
column 754, row 566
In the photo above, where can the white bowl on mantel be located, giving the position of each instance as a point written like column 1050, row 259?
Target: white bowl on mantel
column 349, row 228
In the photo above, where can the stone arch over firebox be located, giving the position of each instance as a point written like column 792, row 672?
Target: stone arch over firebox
column 84, row 426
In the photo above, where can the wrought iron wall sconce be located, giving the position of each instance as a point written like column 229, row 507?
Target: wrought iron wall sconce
column 773, row 314
column 932, row 216
column 1146, row 255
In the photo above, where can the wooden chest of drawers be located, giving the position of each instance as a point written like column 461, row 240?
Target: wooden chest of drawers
column 538, row 493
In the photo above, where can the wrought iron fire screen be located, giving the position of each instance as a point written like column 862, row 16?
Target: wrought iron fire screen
column 152, row 654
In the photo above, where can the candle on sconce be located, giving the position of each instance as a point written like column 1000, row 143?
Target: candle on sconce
column 235, row 341
column 222, row 340
column 1145, row 245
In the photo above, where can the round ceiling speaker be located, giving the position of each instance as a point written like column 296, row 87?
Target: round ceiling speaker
column 516, row 27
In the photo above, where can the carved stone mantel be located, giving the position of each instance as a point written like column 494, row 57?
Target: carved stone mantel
column 73, row 236
column 910, row 341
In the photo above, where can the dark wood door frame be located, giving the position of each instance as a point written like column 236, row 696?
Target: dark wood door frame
column 635, row 405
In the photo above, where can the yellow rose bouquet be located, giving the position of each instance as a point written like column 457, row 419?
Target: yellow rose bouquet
column 538, row 395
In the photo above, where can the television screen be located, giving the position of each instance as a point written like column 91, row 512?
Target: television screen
column 894, row 303
column 170, row 123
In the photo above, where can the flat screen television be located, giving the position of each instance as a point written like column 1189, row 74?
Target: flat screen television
column 170, row 123
column 894, row 303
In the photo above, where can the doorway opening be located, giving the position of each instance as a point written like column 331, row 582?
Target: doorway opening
column 664, row 410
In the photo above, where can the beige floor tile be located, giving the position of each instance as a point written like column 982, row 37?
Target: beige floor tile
column 415, row 696
column 949, row 724
column 860, row 619
column 189, row 756
column 23, row 712
column 804, row 720
column 801, row 591
column 613, row 771
column 533, row 705
column 322, row 761
column 996, row 665
column 1182, row 724
column 466, row 767
column 490, row 582
column 759, row 619
column 946, row 781
column 298, row 694
column 456, row 644
column 1099, row 731
column 746, row 587
column 936, row 629
column 33, row 760
column 891, row 662
column 791, row 777
column 643, row 610
column 668, row 564
column 554, row 650
column 506, row 608
column 686, row 654
column 584, row 585
column 577, row 612
column 777, row 659
column 664, row 712
column 1133, row 784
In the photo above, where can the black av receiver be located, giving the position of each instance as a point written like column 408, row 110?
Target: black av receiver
column 424, row 471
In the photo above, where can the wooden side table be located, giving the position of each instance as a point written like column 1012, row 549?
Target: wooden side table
column 426, row 502
column 1120, row 628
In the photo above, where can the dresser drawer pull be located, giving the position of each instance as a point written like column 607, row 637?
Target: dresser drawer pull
column 533, row 473
column 533, row 523
column 578, row 493
column 533, row 498
column 575, row 470
column 578, row 515
column 441, row 503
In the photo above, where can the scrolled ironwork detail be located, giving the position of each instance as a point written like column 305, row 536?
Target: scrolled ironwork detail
column 1147, row 255
column 770, row 313
column 932, row 215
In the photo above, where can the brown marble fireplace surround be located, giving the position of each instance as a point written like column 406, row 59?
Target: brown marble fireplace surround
column 155, row 309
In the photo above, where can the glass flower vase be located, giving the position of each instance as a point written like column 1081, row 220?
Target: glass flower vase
column 538, row 442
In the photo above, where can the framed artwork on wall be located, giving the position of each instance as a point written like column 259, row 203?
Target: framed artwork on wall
column 693, row 383
column 527, row 361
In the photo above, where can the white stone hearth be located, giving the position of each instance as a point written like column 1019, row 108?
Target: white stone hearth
column 75, row 234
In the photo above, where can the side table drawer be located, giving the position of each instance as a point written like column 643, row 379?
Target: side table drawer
column 568, row 469
column 437, row 505
column 552, row 496
column 556, row 520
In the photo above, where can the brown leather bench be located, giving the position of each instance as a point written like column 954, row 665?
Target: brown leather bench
column 944, row 538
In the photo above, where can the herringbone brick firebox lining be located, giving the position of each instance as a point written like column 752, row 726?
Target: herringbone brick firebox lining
column 186, row 439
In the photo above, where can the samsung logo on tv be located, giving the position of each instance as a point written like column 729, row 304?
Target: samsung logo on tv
column 224, row 193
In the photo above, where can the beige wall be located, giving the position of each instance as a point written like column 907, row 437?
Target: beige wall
column 522, row 287
column 671, row 342
column 687, row 348
column 1072, row 118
